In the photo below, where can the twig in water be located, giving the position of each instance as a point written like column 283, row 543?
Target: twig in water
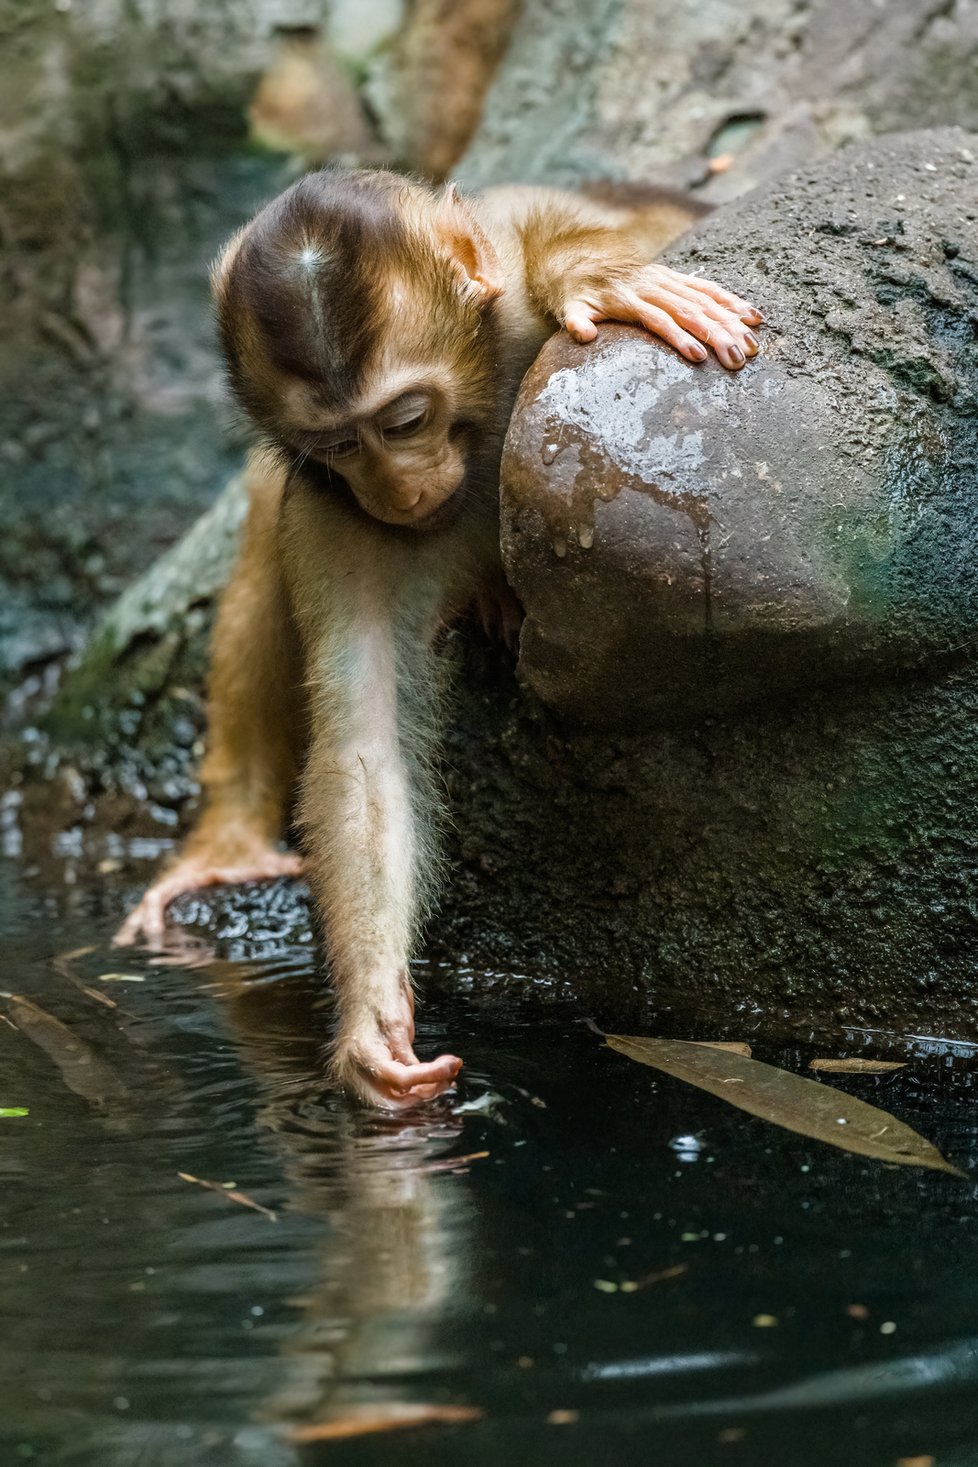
column 232, row 1195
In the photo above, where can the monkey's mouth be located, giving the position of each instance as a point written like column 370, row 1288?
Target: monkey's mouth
column 444, row 514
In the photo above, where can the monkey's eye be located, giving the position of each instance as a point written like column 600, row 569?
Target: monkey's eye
column 405, row 429
column 406, row 416
column 343, row 449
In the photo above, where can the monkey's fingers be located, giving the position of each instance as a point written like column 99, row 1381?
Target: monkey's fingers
column 500, row 613
column 581, row 316
column 733, row 342
column 677, row 280
column 377, row 1078
column 148, row 920
column 431, row 1075
column 691, row 309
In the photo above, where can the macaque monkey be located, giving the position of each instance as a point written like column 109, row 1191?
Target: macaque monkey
column 376, row 331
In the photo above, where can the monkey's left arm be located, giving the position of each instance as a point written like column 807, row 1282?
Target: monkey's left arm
column 580, row 272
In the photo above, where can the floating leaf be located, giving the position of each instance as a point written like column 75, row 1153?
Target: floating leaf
column 7, row 1112
column 121, row 978
column 804, row 1106
column 856, row 1066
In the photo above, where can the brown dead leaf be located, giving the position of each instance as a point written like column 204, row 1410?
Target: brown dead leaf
column 82, row 1068
column 732, row 1046
column 807, row 1107
column 917, row 1462
column 373, row 1419
column 232, row 1195
column 856, row 1066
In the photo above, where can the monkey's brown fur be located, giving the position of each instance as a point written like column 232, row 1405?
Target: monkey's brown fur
column 376, row 331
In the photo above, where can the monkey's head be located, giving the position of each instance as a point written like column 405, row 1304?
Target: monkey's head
column 356, row 314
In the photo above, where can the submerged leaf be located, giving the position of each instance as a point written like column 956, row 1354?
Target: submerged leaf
column 369, row 1420
column 9, row 1111
column 82, row 1068
column 804, row 1106
column 856, row 1066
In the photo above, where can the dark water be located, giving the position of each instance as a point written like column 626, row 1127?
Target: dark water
column 147, row 1320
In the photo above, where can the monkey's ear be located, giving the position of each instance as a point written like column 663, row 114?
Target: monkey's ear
column 469, row 248
column 221, row 268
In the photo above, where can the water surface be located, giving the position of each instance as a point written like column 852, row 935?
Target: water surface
column 634, row 1273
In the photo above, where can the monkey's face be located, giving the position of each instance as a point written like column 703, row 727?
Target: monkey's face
column 357, row 315
column 402, row 455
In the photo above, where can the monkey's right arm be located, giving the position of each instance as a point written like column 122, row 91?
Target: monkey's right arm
column 255, row 727
column 368, row 613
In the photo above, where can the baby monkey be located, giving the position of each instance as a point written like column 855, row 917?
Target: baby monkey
column 376, row 331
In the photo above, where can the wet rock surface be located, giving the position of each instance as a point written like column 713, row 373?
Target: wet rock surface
column 687, row 540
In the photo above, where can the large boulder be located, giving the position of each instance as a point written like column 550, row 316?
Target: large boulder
column 686, row 540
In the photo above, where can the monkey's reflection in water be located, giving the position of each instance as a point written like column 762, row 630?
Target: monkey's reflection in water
column 400, row 1236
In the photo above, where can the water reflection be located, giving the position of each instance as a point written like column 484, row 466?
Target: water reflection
column 401, row 1225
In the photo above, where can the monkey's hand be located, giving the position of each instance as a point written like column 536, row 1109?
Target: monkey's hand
column 374, row 1058
column 205, row 866
column 683, row 310
column 499, row 612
